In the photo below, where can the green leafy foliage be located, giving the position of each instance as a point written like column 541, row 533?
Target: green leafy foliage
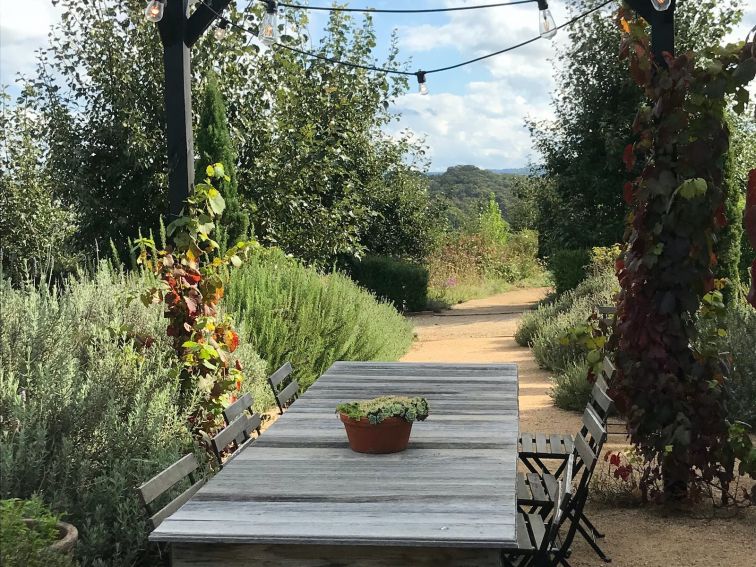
column 308, row 138
column 289, row 312
column 467, row 265
column 35, row 228
column 214, row 145
column 669, row 385
column 594, row 105
column 571, row 389
column 402, row 283
column 568, row 268
column 89, row 399
column 26, row 544
column 379, row 409
column 491, row 225
column 191, row 284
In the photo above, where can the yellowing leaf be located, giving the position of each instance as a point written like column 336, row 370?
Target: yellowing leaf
column 625, row 25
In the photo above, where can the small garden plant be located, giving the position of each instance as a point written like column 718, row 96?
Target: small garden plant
column 379, row 409
column 27, row 543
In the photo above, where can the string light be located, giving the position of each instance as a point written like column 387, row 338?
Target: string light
column 154, row 11
column 422, row 83
column 398, row 11
column 661, row 5
column 546, row 25
column 221, row 30
column 269, row 26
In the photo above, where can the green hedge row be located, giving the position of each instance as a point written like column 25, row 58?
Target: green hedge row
column 402, row 283
column 568, row 268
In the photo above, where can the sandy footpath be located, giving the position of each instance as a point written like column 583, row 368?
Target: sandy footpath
column 483, row 331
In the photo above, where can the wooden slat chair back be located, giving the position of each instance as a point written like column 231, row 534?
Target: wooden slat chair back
column 241, row 428
column 243, row 406
column 613, row 426
column 536, row 538
column 534, row 448
column 607, row 313
column 285, row 394
column 185, row 468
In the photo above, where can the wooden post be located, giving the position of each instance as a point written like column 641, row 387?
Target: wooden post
column 178, row 33
column 178, row 104
column 662, row 27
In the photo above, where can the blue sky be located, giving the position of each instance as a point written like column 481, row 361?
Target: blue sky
column 474, row 115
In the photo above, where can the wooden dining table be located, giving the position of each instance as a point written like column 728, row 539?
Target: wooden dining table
column 298, row 496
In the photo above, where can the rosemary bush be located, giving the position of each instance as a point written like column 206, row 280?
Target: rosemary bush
column 88, row 406
column 288, row 312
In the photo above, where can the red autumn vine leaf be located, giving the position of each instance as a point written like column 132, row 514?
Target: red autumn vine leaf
column 750, row 209
column 628, row 193
column 628, row 157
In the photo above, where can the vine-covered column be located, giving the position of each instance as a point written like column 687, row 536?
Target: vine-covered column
column 669, row 385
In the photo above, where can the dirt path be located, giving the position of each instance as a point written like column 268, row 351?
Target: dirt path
column 483, row 331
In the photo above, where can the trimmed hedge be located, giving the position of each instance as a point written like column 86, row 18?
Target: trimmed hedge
column 569, row 268
column 402, row 283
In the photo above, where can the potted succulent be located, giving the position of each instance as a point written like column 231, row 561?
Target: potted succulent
column 381, row 425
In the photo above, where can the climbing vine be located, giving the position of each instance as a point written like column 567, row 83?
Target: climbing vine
column 190, row 285
column 671, row 392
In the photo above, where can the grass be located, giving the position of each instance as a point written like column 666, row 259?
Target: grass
column 445, row 297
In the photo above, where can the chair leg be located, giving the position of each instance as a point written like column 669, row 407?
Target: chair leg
column 591, row 527
column 592, row 542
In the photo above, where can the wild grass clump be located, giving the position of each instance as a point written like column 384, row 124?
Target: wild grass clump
column 289, row 312
column 468, row 265
column 88, row 399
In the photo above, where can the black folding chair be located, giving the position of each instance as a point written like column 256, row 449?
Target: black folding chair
column 185, row 468
column 537, row 539
column 536, row 492
column 534, row 448
column 285, row 395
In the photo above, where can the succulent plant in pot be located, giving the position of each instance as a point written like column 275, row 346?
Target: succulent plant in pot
column 381, row 425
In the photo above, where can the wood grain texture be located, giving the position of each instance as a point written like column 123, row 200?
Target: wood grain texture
column 300, row 485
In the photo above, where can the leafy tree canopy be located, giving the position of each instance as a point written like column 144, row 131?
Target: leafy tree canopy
column 594, row 104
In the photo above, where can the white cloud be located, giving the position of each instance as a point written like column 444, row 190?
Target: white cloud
column 24, row 25
column 483, row 126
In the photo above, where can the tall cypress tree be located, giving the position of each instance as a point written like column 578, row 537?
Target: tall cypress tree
column 214, row 145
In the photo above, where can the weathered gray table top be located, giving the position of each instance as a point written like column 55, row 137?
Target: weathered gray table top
column 301, row 484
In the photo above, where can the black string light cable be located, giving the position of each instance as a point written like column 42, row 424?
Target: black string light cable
column 420, row 74
column 398, row 11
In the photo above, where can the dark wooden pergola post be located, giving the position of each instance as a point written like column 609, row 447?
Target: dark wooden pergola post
column 662, row 27
column 179, row 32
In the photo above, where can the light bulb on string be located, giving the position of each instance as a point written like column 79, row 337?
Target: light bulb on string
column 546, row 25
column 661, row 5
column 221, row 30
column 421, row 83
column 154, row 11
column 268, row 33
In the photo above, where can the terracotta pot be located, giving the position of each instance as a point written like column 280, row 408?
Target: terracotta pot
column 68, row 535
column 389, row 436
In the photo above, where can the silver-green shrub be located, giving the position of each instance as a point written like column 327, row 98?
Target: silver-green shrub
column 597, row 289
column 288, row 312
column 88, row 406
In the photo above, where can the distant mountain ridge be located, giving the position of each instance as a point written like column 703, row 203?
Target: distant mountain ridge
column 465, row 188
column 506, row 171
